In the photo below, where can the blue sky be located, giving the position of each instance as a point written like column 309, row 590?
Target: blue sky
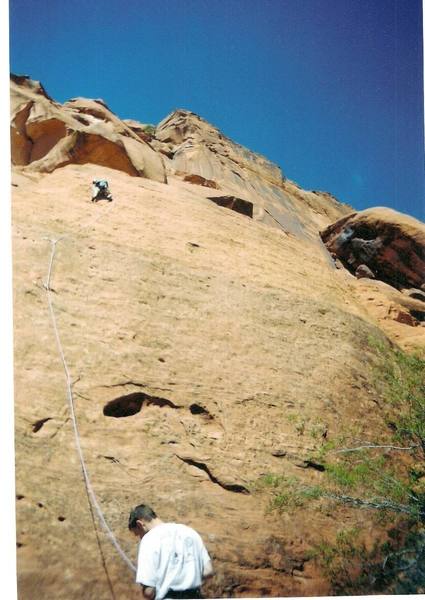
column 331, row 90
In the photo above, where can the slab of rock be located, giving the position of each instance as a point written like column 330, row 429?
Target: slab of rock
column 211, row 331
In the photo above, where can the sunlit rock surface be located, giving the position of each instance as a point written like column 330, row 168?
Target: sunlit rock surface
column 206, row 350
column 47, row 135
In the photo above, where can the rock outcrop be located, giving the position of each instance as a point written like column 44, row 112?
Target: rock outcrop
column 193, row 146
column 47, row 135
column 385, row 250
column 390, row 244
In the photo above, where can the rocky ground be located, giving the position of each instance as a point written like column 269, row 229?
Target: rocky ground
column 207, row 350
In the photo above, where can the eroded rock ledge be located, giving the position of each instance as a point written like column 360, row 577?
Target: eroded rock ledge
column 390, row 244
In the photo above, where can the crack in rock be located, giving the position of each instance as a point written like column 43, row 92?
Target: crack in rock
column 231, row 487
column 298, row 461
column 37, row 425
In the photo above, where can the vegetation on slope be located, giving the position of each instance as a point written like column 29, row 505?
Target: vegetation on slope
column 384, row 476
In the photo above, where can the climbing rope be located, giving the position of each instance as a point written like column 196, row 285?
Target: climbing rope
column 93, row 502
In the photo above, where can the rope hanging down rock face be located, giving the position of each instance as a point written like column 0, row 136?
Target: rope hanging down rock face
column 89, row 488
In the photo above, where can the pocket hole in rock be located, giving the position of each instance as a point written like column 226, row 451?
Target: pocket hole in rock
column 197, row 409
column 39, row 424
column 418, row 314
column 131, row 404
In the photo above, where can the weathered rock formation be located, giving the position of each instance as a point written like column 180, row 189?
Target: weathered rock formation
column 206, row 350
column 386, row 250
column 390, row 244
column 193, row 146
column 47, row 135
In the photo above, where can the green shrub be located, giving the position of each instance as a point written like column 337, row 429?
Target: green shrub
column 386, row 475
column 344, row 562
column 286, row 492
column 149, row 129
column 401, row 379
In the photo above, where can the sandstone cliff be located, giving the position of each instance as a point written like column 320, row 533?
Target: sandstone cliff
column 209, row 352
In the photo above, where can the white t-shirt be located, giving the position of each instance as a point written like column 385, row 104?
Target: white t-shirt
column 171, row 556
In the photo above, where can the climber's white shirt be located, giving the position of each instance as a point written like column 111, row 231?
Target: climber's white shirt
column 171, row 556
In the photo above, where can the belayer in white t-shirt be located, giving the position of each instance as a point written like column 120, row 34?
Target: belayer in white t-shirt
column 172, row 559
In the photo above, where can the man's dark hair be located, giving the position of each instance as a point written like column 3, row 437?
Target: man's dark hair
column 143, row 511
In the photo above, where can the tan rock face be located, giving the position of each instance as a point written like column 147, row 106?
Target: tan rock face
column 206, row 350
column 47, row 135
column 204, row 347
column 197, row 148
column 183, row 130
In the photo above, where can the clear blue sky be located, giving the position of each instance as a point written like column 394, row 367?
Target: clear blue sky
column 331, row 90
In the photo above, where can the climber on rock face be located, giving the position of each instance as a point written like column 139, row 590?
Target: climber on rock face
column 100, row 190
column 172, row 559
